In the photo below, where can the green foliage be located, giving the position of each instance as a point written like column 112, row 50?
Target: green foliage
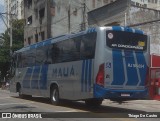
column 18, row 37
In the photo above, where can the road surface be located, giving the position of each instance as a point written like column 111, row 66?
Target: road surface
column 77, row 111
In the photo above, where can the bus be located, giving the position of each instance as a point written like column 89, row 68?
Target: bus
column 96, row 64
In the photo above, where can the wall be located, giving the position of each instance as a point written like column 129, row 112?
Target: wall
column 66, row 16
column 140, row 15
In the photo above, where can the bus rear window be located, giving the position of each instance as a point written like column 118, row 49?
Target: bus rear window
column 126, row 40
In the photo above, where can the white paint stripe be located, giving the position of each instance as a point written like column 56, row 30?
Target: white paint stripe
column 138, row 72
column 4, row 104
column 125, row 69
column 66, row 111
column 122, row 28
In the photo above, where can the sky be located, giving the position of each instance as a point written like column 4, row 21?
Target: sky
column 2, row 25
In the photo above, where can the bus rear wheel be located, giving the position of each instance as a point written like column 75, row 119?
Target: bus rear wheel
column 54, row 95
column 93, row 102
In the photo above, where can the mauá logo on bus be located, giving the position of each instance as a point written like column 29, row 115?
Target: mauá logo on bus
column 63, row 72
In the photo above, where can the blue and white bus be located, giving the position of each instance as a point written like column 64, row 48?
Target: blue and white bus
column 92, row 65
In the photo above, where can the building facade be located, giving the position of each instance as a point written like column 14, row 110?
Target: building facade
column 14, row 10
column 37, row 21
column 59, row 17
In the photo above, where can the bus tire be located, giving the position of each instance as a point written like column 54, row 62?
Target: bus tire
column 54, row 95
column 20, row 92
column 93, row 102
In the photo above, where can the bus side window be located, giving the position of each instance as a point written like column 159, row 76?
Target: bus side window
column 55, row 51
column 42, row 56
column 88, row 46
column 19, row 60
column 28, row 58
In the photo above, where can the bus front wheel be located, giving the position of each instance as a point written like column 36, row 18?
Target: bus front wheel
column 54, row 96
column 20, row 92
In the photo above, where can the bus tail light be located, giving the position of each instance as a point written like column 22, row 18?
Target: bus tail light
column 100, row 75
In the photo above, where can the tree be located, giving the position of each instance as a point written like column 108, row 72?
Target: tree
column 18, row 37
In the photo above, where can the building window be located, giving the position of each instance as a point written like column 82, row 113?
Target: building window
column 36, row 37
column 29, row 20
column 42, row 13
column 52, row 11
column 137, row 4
column 75, row 12
column 42, row 35
column 29, row 3
column 29, row 40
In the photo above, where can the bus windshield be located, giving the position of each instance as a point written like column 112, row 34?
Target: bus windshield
column 126, row 40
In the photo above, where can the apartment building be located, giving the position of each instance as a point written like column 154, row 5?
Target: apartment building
column 154, row 4
column 14, row 10
column 37, row 21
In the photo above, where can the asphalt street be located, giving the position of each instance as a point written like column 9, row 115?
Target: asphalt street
column 77, row 111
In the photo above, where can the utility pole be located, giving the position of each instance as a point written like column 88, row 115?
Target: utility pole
column 125, row 22
column 69, row 18
column 84, row 15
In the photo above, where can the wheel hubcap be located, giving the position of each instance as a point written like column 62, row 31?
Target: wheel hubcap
column 54, row 97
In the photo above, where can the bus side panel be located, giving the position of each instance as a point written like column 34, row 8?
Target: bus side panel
column 18, row 78
column 99, row 59
column 86, row 79
column 74, row 79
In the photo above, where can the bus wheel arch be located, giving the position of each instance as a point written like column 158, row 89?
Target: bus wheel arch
column 18, row 87
column 54, row 94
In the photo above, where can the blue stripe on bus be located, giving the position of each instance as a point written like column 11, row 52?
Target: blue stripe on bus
column 143, row 71
column 27, row 77
column 116, row 28
column 90, row 74
column 82, row 76
column 127, row 29
column 35, row 78
column 118, row 69
column 138, row 31
column 33, row 46
column 40, row 44
column 48, row 42
column 90, row 30
column 131, row 71
column 43, row 77
column 86, row 75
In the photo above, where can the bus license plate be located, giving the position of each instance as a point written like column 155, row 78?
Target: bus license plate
column 125, row 95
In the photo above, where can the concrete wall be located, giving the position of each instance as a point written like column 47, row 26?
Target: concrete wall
column 67, row 16
column 78, row 16
column 140, row 15
column 115, row 14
